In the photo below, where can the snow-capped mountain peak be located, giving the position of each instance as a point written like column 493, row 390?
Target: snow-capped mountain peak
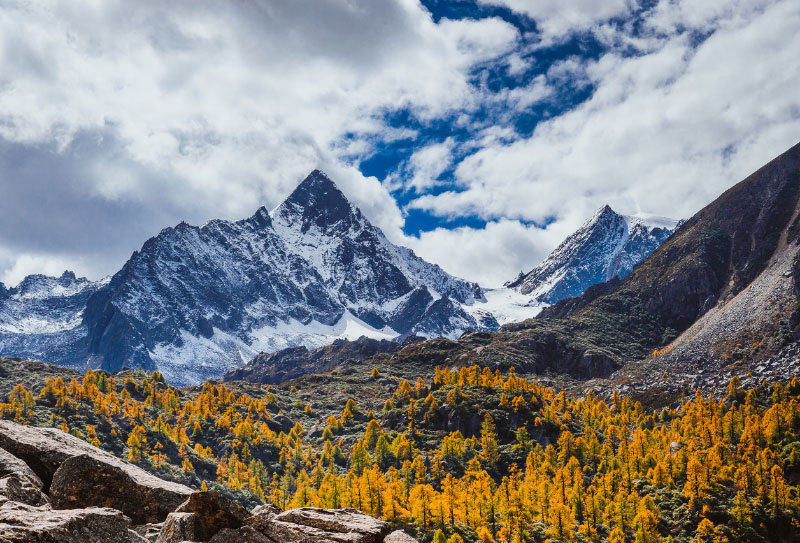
column 194, row 302
column 316, row 202
column 605, row 246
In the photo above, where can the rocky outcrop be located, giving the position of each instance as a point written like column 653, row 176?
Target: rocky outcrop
column 608, row 245
column 18, row 482
column 44, row 450
column 245, row 534
column 11, row 465
column 310, row 524
column 178, row 527
column 286, row 364
column 139, row 507
column 20, row 523
column 86, row 480
column 149, row 532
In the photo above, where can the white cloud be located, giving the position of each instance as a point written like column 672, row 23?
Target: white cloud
column 120, row 118
column 555, row 18
column 663, row 133
column 428, row 163
column 27, row 264
column 205, row 110
column 489, row 256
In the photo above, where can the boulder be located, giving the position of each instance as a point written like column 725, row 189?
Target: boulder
column 45, row 449
column 92, row 480
column 20, row 523
column 399, row 536
column 338, row 521
column 213, row 512
column 178, row 527
column 266, row 509
column 11, row 465
column 245, row 534
column 19, row 489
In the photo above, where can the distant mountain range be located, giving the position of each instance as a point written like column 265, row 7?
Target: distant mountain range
column 196, row 302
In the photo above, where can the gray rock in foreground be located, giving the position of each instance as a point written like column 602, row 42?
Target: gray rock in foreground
column 18, row 489
column 45, row 449
column 20, row 523
column 11, row 465
column 87, row 480
column 343, row 521
column 80, row 477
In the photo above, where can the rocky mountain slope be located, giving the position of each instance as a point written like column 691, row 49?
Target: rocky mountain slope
column 196, row 301
column 607, row 245
column 57, row 488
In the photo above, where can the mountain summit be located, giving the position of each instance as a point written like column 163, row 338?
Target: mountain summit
column 317, row 202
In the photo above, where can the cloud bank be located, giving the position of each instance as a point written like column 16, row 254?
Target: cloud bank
column 118, row 118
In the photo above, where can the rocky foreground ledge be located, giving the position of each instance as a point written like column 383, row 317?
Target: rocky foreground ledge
column 56, row 488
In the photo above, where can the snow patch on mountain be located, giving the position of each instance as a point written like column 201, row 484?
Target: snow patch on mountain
column 506, row 305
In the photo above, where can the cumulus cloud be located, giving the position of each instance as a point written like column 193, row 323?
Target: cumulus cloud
column 121, row 118
column 664, row 132
column 555, row 18
column 489, row 256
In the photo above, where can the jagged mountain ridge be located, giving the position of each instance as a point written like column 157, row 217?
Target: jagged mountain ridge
column 313, row 270
column 607, row 245
column 194, row 302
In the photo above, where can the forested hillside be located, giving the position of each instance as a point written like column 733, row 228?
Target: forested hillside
column 471, row 453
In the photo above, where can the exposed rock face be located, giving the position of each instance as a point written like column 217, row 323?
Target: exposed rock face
column 85, row 480
column 607, row 245
column 212, row 512
column 18, row 489
column 11, row 465
column 194, row 300
column 20, row 523
column 245, row 534
column 295, row 276
column 44, row 450
column 149, row 532
column 287, row 532
column 40, row 318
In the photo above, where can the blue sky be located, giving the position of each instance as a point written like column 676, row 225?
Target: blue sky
column 479, row 133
